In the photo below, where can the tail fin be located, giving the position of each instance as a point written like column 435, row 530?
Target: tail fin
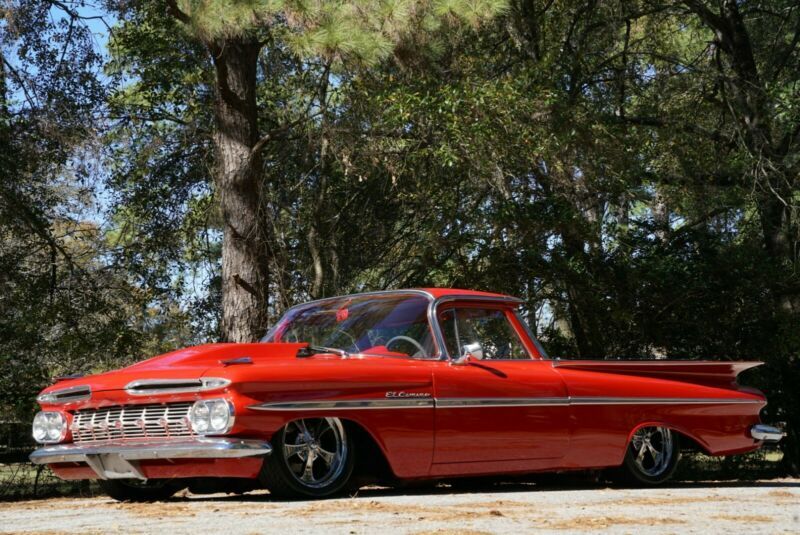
column 716, row 373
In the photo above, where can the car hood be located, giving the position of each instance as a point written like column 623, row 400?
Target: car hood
column 188, row 363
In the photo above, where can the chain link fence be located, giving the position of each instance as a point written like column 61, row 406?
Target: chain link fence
column 20, row 479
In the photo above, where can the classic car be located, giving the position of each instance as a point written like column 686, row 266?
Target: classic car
column 406, row 386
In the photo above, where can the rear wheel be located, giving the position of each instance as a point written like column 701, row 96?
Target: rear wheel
column 652, row 456
column 134, row 490
column 312, row 458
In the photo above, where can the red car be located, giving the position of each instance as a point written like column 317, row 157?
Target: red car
column 407, row 385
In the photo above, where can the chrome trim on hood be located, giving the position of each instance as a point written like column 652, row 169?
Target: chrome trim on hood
column 66, row 395
column 145, row 387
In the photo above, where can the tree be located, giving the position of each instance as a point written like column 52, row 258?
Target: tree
column 757, row 64
column 234, row 34
column 62, row 307
column 753, row 88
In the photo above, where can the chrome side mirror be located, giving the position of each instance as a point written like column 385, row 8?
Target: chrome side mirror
column 472, row 351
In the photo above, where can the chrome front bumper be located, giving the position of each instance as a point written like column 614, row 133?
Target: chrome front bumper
column 767, row 433
column 112, row 460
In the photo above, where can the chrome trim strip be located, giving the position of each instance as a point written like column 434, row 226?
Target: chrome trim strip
column 527, row 328
column 480, row 298
column 658, row 401
column 434, row 320
column 438, row 336
column 470, row 403
column 66, row 395
column 198, row 448
column 569, row 401
column 767, row 433
column 395, row 403
column 363, row 294
column 146, row 387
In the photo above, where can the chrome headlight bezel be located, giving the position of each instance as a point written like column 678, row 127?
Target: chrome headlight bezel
column 203, row 412
column 49, row 427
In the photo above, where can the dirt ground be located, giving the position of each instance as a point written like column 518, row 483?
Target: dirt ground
column 754, row 507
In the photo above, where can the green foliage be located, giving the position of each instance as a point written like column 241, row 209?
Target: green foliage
column 367, row 30
column 71, row 303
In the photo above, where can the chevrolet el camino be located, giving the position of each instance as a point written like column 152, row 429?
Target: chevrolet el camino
column 407, row 385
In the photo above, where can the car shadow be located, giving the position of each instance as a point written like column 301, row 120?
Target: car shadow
column 737, row 484
column 495, row 486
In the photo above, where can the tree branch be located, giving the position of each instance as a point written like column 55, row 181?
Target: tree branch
column 74, row 15
column 175, row 11
column 267, row 138
column 698, row 221
column 21, row 82
column 713, row 20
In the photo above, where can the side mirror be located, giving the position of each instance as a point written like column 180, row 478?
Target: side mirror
column 469, row 352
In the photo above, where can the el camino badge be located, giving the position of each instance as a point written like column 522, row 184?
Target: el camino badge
column 408, row 394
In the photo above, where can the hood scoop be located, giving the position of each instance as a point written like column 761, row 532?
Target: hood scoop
column 239, row 360
column 146, row 387
column 65, row 395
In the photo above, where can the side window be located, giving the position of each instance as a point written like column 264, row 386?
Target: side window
column 485, row 330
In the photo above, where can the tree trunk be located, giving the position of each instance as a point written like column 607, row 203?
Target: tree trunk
column 748, row 100
column 584, row 316
column 245, row 268
column 320, row 234
column 5, row 117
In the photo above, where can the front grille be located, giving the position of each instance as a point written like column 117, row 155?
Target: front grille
column 131, row 422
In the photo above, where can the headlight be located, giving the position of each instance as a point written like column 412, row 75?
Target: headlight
column 211, row 416
column 49, row 427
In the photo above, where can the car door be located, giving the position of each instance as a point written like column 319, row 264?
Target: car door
column 506, row 403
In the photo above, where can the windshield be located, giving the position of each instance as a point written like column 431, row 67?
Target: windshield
column 390, row 325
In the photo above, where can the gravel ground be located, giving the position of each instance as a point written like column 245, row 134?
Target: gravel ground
column 754, row 507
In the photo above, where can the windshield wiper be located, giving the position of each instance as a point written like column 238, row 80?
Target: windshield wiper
column 311, row 350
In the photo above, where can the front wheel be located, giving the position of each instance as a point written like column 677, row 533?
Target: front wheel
column 312, row 458
column 652, row 456
column 133, row 490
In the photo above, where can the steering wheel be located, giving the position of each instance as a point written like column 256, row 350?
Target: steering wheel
column 410, row 341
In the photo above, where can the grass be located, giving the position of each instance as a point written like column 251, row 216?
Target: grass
column 761, row 464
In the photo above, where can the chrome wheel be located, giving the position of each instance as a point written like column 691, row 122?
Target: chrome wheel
column 315, row 451
column 652, row 450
